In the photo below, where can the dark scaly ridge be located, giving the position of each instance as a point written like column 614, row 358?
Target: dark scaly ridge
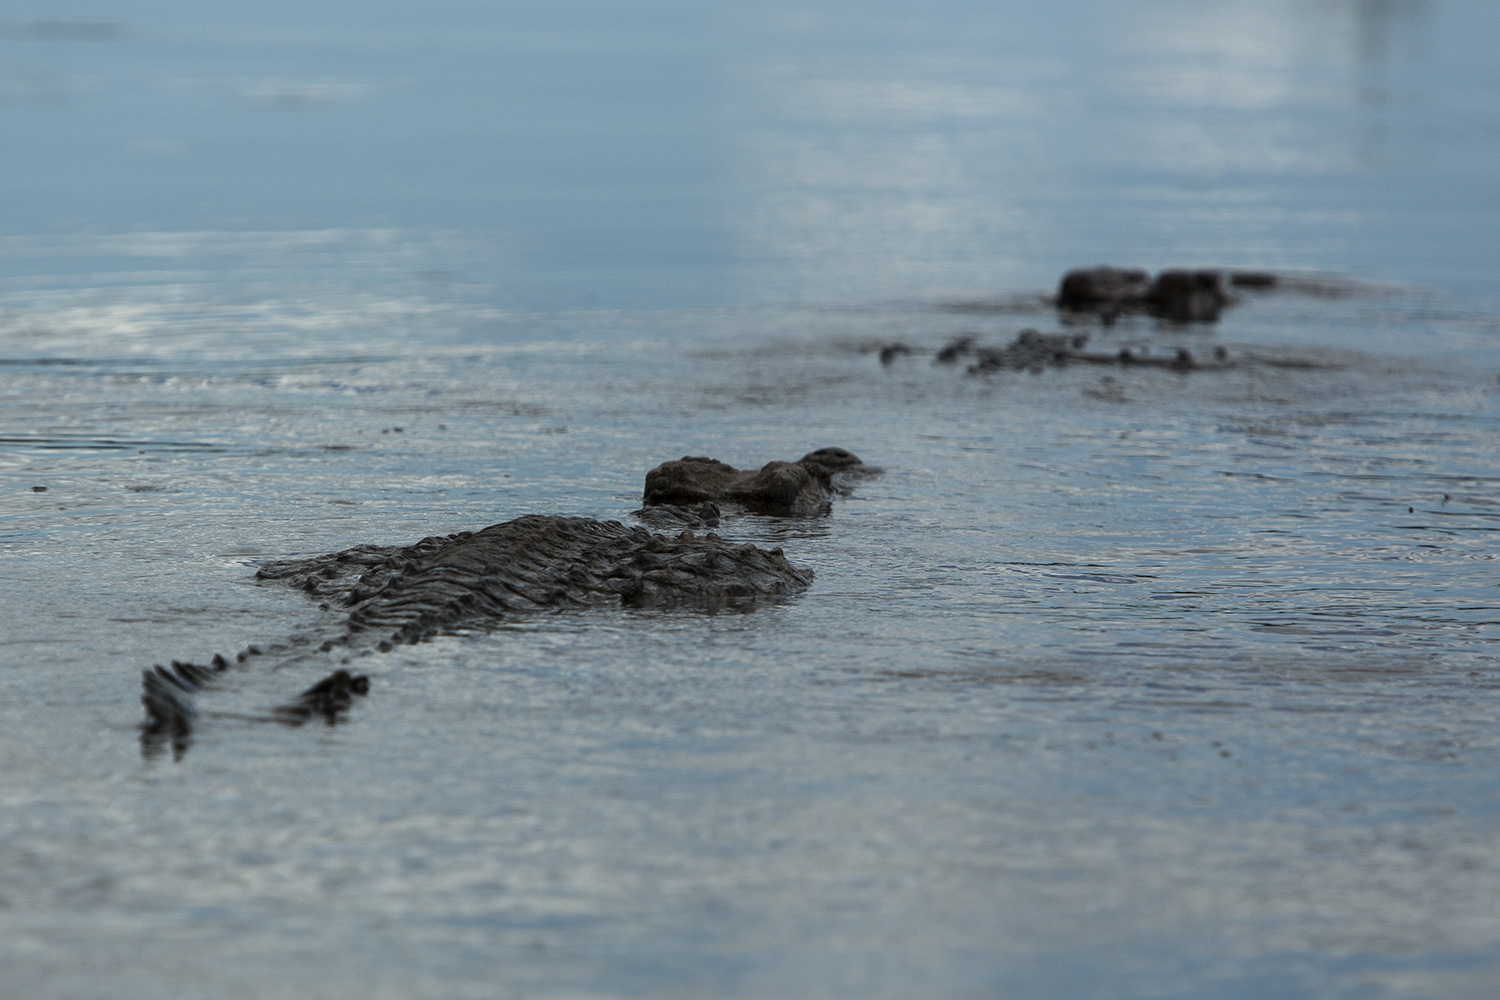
column 405, row 594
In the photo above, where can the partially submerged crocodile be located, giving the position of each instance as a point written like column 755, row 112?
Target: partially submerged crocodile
column 1179, row 296
column 480, row 579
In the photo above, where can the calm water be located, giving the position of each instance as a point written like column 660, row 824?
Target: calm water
column 1119, row 682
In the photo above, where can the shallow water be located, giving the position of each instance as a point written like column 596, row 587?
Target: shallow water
column 1120, row 682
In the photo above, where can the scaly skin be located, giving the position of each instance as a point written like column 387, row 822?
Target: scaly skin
column 404, row 594
column 478, row 579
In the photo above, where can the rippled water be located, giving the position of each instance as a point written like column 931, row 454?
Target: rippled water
column 1120, row 682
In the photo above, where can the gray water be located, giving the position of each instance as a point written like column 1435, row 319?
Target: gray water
column 1119, row 682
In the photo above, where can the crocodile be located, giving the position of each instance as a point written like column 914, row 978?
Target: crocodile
column 403, row 594
column 1179, row 296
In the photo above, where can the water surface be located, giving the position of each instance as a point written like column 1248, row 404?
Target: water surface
column 1117, row 683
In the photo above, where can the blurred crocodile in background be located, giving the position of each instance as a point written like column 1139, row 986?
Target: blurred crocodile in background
column 1179, row 296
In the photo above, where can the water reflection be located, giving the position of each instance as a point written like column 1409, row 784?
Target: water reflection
column 888, row 176
column 1177, row 139
column 63, row 31
column 1381, row 26
column 1270, row 84
column 662, row 158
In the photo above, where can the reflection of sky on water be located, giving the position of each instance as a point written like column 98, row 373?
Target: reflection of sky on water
column 1271, row 85
column 1165, row 133
column 665, row 155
